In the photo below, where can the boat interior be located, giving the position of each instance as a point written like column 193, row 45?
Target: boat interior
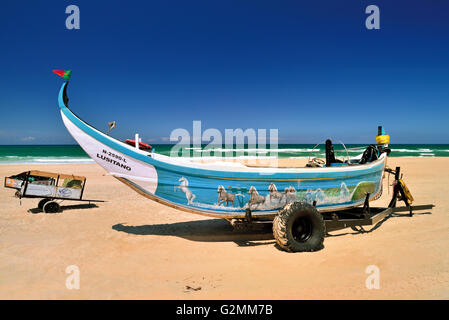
column 331, row 160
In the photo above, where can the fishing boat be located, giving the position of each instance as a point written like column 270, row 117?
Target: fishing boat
column 234, row 191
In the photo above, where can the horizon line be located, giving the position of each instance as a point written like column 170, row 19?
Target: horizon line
column 206, row 144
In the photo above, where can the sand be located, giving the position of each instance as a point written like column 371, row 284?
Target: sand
column 133, row 248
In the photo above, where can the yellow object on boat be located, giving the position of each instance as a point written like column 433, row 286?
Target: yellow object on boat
column 407, row 192
column 383, row 139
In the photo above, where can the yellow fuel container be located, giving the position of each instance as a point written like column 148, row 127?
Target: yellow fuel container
column 383, row 139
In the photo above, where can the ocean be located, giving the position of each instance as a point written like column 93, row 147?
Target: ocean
column 28, row 154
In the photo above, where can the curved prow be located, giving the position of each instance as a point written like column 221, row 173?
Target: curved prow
column 63, row 99
column 64, row 95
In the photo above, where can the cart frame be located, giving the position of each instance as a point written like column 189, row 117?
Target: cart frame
column 50, row 199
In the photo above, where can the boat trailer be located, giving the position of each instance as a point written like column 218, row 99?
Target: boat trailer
column 354, row 218
column 366, row 216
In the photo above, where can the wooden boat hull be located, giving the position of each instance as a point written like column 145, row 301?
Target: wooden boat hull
column 222, row 191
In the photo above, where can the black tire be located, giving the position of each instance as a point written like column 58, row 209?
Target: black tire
column 51, row 207
column 18, row 194
column 42, row 203
column 240, row 226
column 299, row 227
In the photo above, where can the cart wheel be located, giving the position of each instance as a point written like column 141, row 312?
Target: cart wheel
column 51, row 207
column 18, row 194
column 42, row 203
column 299, row 227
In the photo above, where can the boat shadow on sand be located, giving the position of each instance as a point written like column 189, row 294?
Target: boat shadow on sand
column 210, row 230
column 218, row 230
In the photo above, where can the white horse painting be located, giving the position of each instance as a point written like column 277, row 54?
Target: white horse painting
column 184, row 186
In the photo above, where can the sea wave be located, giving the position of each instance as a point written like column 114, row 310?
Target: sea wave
column 225, row 158
column 75, row 155
column 427, row 154
column 410, row 150
column 304, row 157
column 44, row 160
column 257, row 150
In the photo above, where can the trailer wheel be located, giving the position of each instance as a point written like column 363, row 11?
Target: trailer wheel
column 42, row 203
column 51, row 207
column 299, row 227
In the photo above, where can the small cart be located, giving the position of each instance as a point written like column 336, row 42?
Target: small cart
column 53, row 188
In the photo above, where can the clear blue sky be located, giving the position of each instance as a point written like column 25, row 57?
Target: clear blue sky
column 309, row 68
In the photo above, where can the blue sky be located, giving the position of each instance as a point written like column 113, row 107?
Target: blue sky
column 310, row 69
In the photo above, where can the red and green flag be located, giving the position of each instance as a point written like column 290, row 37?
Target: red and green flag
column 63, row 73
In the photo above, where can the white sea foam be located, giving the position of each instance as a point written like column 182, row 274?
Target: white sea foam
column 59, row 160
column 257, row 150
column 304, row 157
column 408, row 150
column 43, row 160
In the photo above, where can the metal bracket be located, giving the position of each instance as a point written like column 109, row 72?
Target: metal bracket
column 366, row 209
column 398, row 192
column 248, row 216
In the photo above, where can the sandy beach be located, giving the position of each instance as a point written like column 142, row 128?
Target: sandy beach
column 133, row 248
